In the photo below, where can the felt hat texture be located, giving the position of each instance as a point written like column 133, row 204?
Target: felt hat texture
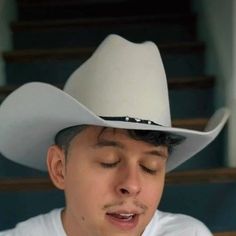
column 122, row 85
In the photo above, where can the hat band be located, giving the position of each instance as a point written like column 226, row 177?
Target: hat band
column 129, row 119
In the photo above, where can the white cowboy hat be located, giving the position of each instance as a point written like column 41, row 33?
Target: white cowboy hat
column 120, row 80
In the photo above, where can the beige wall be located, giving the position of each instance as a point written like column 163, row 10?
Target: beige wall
column 232, row 97
column 217, row 27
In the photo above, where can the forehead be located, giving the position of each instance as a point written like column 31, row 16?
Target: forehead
column 97, row 132
column 98, row 138
column 94, row 134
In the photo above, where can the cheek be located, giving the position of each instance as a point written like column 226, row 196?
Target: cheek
column 81, row 201
column 153, row 192
column 82, row 185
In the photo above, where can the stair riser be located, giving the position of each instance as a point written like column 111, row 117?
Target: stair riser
column 90, row 36
column 11, row 169
column 183, row 64
column 191, row 103
column 207, row 202
column 209, row 157
column 16, row 207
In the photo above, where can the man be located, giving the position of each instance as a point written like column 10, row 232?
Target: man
column 108, row 141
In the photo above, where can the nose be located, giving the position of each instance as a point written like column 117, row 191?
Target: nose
column 129, row 183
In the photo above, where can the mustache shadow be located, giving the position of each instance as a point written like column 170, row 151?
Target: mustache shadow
column 135, row 203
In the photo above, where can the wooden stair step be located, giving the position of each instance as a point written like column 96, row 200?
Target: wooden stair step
column 221, row 175
column 192, row 82
column 31, row 54
column 196, row 123
column 225, row 234
column 65, row 24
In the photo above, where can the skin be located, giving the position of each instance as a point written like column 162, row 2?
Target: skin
column 105, row 174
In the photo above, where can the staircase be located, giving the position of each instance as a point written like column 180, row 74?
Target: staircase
column 52, row 38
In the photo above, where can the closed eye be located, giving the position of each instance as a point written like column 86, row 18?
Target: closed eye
column 109, row 165
column 149, row 171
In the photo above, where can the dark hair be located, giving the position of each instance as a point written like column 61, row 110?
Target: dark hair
column 65, row 136
column 157, row 138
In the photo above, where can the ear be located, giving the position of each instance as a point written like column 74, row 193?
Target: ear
column 56, row 166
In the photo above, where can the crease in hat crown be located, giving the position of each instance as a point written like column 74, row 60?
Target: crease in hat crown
column 123, row 78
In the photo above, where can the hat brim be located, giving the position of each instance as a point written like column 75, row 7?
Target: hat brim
column 32, row 115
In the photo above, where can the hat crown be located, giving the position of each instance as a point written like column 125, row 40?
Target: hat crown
column 122, row 78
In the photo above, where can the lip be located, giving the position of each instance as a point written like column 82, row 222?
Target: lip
column 123, row 224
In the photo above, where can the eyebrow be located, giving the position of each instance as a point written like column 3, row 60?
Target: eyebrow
column 108, row 143
column 111, row 143
column 157, row 153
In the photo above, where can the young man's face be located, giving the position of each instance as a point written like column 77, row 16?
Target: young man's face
column 112, row 183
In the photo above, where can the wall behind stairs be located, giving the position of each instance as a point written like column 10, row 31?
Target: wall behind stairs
column 7, row 14
column 217, row 27
column 232, row 98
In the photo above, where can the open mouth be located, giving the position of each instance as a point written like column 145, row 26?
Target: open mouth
column 124, row 221
column 123, row 217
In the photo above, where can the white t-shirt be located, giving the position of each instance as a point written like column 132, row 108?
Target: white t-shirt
column 162, row 224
